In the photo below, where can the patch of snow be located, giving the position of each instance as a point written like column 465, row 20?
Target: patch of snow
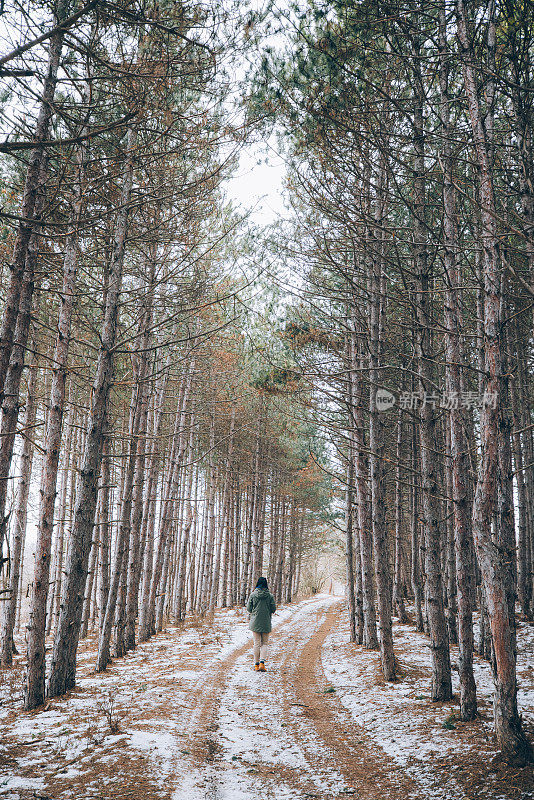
column 385, row 711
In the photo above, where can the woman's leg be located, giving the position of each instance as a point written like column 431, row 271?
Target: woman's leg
column 257, row 646
column 264, row 646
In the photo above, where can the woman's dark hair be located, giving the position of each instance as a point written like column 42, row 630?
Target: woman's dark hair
column 262, row 583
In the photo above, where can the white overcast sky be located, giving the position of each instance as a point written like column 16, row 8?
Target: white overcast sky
column 258, row 183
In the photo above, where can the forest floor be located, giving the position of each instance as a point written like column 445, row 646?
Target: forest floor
column 191, row 720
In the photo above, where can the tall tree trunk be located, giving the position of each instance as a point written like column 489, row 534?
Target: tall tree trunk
column 414, row 513
column 11, row 377
column 202, row 549
column 225, row 501
column 455, row 386
column 257, row 541
column 134, row 563
column 91, row 575
column 441, row 688
column 33, row 188
column 349, row 552
column 252, row 497
column 230, row 582
column 510, row 735
column 34, row 687
column 149, row 511
column 164, row 581
column 183, row 563
column 63, row 669
column 370, row 636
column 148, row 607
column 528, row 444
column 277, row 589
column 19, row 527
column 104, row 528
column 377, row 442
column 205, row 582
column 57, row 563
column 398, row 586
column 121, row 549
column 355, row 629
column 505, row 501
column 524, row 517
column 119, row 622
column 237, row 542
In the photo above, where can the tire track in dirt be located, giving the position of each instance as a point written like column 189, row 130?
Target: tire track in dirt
column 212, row 770
column 367, row 771
column 288, row 706
column 205, row 711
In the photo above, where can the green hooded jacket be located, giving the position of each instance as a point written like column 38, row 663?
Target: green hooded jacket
column 260, row 606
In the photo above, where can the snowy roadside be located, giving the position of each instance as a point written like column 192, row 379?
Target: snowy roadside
column 71, row 743
column 184, row 717
column 415, row 733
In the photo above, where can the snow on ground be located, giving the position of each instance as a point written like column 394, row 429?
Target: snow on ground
column 257, row 752
column 147, row 695
column 184, row 717
column 400, row 717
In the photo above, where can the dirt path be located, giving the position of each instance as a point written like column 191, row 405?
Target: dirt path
column 280, row 734
column 345, row 745
column 195, row 722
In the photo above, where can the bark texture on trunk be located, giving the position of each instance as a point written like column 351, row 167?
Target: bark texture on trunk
column 11, row 378
column 349, row 552
column 63, row 667
column 19, row 528
column 33, row 188
column 441, row 688
column 147, row 611
column 370, row 636
column 34, row 686
column 464, row 566
column 508, row 728
column 398, row 586
column 377, row 444
column 114, row 609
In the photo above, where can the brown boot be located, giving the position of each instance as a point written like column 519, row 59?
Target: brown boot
column 256, row 667
column 261, row 667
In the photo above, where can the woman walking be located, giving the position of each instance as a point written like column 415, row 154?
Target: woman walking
column 260, row 606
